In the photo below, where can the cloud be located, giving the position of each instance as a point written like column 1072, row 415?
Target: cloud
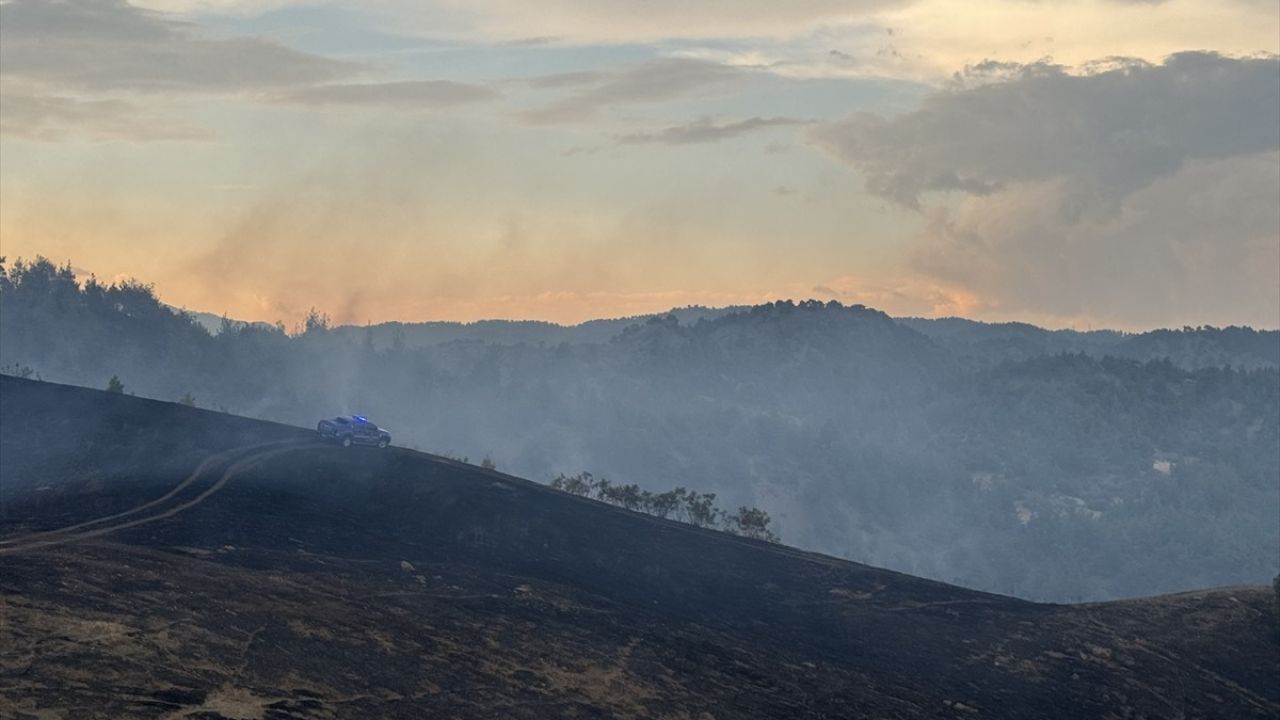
column 581, row 150
column 1129, row 192
column 1111, row 132
column 1194, row 247
column 932, row 39
column 413, row 94
column 923, row 40
column 568, row 79
column 50, row 118
column 105, row 70
column 109, row 45
column 531, row 41
column 646, row 82
column 706, row 130
column 628, row 21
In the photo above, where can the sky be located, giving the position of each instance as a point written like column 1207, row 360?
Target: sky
column 1071, row 163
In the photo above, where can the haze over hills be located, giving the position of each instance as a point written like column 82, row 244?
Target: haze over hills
column 879, row 360
column 163, row 561
column 507, row 332
column 1190, row 348
column 1047, row 465
column 1187, row 347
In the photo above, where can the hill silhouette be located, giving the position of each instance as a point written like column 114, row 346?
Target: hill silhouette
column 162, row 561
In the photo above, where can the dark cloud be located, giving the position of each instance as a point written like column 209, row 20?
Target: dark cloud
column 706, row 130
column 1113, row 130
column 414, row 94
column 1133, row 192
column 105, row 45
column 651, row 81
column 1194, row 247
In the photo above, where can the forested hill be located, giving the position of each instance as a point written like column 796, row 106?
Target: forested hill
column 1188, row 347
column 968, row 341
column 1005, row 458
column 386, row 335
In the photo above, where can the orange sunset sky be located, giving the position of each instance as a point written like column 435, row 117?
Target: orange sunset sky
column 1069, row 163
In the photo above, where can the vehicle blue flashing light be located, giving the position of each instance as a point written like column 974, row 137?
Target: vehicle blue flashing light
column 360, row 418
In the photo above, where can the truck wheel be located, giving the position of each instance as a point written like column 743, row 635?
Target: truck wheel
column 382, row 443
column 346, row 441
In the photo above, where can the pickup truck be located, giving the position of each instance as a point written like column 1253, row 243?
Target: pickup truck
column 350, row 430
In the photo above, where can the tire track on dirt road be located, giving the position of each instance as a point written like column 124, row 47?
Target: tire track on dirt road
column 195, row 475
column 68, row 535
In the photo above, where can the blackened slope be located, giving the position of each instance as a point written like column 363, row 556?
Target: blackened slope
column 289, row 581
column 62, row 440
column 385, row 499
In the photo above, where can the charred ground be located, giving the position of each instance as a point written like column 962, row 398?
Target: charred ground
column 162, row 561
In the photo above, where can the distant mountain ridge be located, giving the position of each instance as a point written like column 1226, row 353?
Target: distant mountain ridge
column 974, row 340
column 435, row 332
